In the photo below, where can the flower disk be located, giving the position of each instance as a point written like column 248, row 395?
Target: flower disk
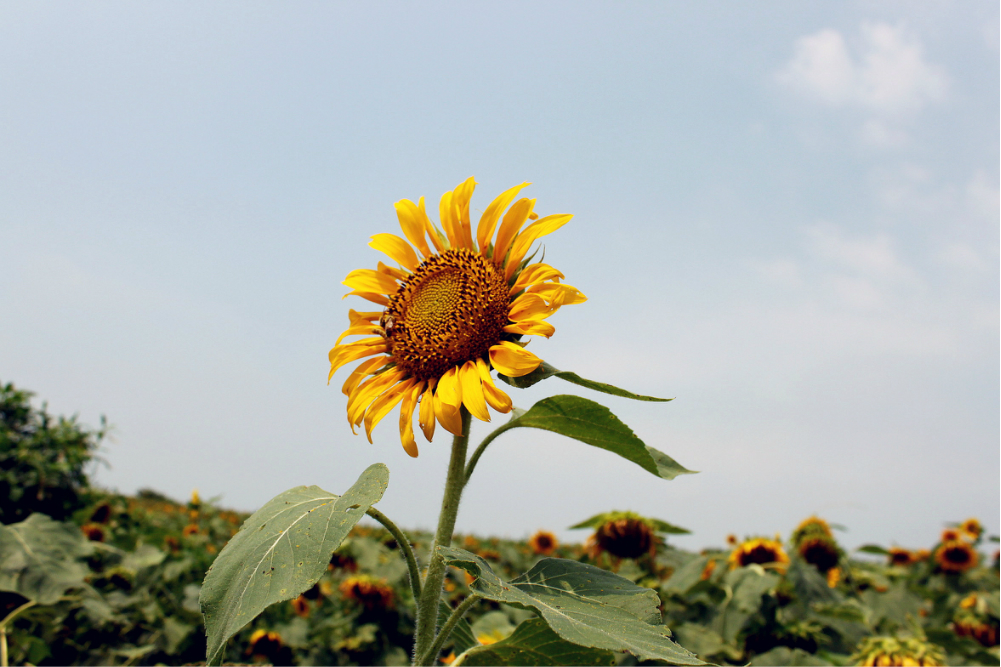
column 452, row 309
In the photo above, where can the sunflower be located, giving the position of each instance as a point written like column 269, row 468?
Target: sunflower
column 452, row 310
column 543, row 543
column 955, row 556
column 759, row 550
column 972, row 528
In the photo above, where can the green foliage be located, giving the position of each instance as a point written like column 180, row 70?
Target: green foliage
column 281, row 552
column 583, row 604
column 594, row 424
column 42, row 459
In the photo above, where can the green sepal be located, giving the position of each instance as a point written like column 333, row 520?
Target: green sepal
column 594, row 424
column 545, row 371
column 583, row 604
column 534, row 643
column 281, row 551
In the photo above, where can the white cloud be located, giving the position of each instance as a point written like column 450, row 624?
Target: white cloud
column 885, row 76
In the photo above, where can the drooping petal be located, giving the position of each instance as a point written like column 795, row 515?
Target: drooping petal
column 512, row 222
column 396, row 249
column 367, row 280
column 426, row 415
column 344, row 354
column 380, row 299
column 381, row 406
column 448, row 400
column 363, row 369
column 412, row 222
column 513, row 360
column 531, row 234
column 488, row 221
column 496, row 398
column 531, row 328
column 472, row 392
column 407, row 419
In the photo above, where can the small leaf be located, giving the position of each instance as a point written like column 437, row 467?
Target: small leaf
column 594, row 424
column 534, row 643
column 546, row 371
column 583, row 604
column 280, row 552
column 39, row 558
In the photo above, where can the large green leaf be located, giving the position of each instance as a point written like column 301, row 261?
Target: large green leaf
column 546, row 371
column 280, row 552
column 583, row 604
column 594, row 424
column 534, row 643
column 39, row 558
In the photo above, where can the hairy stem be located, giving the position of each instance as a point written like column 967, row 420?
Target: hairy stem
column 446, row 629
column 427, row 608
column 408, row 552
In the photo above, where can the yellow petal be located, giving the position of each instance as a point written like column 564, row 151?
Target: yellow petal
column 531, row 328
column 358, row 330
column 363, row 369
column 383, row 404
column 513, row 360
column 380, row 299
column 344, row 354
column 488, row 221
column 496, row 398
column 412, row 222
column 448, row 400
column 407, row 419
column 536, row 273
column 512, row 222
column 396, row 249
column 472, row 392
column 426, row 415
column 367, row 280
column 530, row 235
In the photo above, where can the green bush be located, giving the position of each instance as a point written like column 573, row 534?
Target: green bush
column 42, row 459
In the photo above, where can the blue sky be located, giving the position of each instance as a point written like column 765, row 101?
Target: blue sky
column 786, row 216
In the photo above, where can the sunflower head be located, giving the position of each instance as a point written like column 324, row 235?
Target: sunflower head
column 972, row 528
column 900, row 557
column 760, row 551
column 624, row 535
column 821, row 552
column 955, row 556
column 370, row 592
column 453, row 308
column 543, row 543
column 897, row 651
column 813, row 526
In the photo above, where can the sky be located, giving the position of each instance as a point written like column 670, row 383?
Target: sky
column 786, row 218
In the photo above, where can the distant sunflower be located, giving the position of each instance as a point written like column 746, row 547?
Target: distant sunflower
column 761, row 551
column 543, row 543
column 956, row 556
column 369, row 591
column 972, row 527
column 453, row 309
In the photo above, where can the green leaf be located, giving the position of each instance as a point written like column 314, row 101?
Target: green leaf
column 534, row 643
column 39, row 558
column 546, row 371
column 583, row 604
column 872, row 549
column 280, row 552
column 594, row 424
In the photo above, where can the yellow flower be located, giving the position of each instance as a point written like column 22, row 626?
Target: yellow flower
column 452, row 310
column 759, row 550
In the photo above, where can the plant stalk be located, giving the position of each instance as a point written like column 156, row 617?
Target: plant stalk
column 408, row 552
column 427, row 608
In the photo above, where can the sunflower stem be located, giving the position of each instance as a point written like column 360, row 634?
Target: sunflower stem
column 427, row 607
column 408, row 552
